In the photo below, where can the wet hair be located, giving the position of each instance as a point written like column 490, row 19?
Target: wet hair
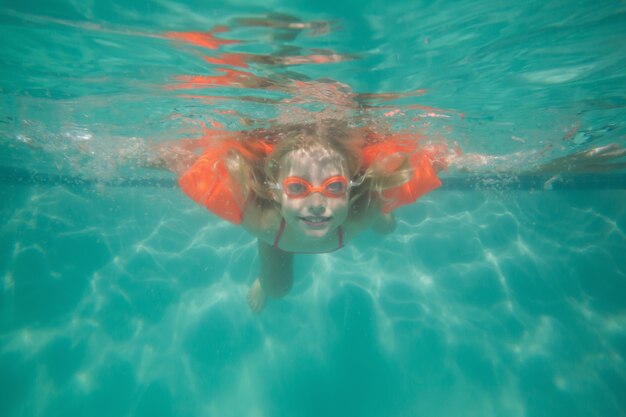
column 257, row 172
column 333, row 137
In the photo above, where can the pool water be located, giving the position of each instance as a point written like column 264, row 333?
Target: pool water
column 499, row 294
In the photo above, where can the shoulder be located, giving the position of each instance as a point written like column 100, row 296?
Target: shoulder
column 262, row 219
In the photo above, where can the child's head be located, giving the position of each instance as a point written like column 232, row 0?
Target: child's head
column 312, row 190
column 314, row 153
column 310, row 173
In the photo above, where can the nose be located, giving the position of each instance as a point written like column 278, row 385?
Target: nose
column 316, row 203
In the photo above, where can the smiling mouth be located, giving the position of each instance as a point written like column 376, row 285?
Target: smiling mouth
column 315, row 220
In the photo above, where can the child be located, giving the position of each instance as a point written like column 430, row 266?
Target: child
column 307, row 188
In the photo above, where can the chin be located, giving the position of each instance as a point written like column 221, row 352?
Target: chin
column 317, row 233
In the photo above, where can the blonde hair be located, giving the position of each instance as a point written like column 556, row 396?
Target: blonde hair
column 257, row 172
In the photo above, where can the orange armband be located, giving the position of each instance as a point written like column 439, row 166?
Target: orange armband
column 423, row 179
column 209, row 182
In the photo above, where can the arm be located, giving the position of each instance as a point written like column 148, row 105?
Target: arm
column 275, row 270
column 171, row 157
column 176, row 156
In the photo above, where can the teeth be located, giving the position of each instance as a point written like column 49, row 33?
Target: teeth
column 316, row 219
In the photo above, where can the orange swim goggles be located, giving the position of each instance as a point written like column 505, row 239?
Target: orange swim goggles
column 334, row 187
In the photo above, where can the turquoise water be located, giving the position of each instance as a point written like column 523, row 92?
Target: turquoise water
column 500, row 294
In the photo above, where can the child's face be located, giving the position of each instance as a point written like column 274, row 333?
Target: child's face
column 316, row 214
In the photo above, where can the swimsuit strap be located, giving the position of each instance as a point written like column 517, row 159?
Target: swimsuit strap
column 281, row 229
column 340, row 237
